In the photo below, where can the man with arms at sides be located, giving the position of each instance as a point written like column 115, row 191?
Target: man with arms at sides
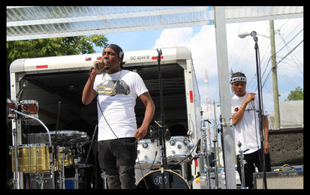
column 116, row 92
column 244, row 108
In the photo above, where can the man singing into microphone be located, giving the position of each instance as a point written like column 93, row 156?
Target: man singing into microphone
column 244, row 108
column 116, row 92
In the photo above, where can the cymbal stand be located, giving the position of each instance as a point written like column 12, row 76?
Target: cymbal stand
column 215, row 160
column 16, row 175
column 61, row 172
column 78, row 163
column 207, row 168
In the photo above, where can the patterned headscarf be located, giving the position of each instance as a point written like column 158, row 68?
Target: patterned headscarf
column 238, row 77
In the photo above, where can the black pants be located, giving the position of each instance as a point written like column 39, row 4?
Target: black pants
column 251, row 160
column 117, row 158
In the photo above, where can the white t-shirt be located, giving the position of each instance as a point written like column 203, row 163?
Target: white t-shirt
column 118, row 109
column 247, row 130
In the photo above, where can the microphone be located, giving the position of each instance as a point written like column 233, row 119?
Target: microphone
column 252, row 103
column 96, row 65
column 254, row 35
column 104, row 61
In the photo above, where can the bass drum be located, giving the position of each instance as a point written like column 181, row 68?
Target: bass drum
column 153, row 180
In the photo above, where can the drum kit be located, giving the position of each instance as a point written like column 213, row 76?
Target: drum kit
column 62, row 148
column 178, row 150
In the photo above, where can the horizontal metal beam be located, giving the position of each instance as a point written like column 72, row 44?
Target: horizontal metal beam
column 35, row 22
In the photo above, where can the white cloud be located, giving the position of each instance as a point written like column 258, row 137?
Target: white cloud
column 241, row 54
column 174, row 37
column 202, row 46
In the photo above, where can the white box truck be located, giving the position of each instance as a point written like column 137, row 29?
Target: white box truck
column 48, row 80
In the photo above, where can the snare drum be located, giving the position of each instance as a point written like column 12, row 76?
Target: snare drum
column 11, row 104
column 147, row 155
column 29, row 107
column 32, row 158
column 177, row 149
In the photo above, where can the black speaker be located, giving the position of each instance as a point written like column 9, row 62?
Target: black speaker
column 280, row 180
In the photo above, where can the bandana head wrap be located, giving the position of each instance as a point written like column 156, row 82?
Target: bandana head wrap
column 238, row 77
column 119, row 52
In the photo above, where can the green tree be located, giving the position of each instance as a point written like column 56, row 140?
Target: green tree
column 297, row 94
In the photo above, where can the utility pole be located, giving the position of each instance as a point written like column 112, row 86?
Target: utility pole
column 274, row 78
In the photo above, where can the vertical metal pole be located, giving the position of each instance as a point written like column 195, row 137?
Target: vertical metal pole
column 223, row 76
column 216, row 149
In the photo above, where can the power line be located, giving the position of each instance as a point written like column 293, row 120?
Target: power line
column 290, row 52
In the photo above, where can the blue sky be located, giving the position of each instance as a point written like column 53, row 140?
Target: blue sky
column 201, row 41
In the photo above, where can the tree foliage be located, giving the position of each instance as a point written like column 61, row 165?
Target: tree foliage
column 297, row 94
column 53, row 46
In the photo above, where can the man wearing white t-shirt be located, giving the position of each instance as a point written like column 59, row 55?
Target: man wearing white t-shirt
column 117, row 91
column 244, row 109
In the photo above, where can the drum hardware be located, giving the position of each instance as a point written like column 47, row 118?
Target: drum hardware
column 207, row 167
column 29, row 107
column 70, row 138
column 61, row 173
column 38, row 159
column 21, row 90
column 64, row 159
column 39, row 180
column 50, row 148
column 242, row 163
column 215, row 159
column 162, row 149
column 26, row 107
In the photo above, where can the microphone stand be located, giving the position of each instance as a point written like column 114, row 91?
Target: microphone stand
column 260, row 104
column 162, row 142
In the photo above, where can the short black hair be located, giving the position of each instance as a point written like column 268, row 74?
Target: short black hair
column 236, row 74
